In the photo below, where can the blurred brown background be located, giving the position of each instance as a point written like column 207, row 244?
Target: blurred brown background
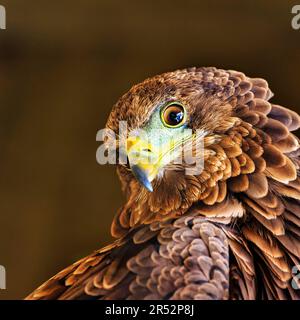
column 62, row 66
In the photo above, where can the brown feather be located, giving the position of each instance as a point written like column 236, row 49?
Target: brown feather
column 258, row 185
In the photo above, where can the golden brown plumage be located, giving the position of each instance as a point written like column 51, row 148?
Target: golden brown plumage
column 231, row 232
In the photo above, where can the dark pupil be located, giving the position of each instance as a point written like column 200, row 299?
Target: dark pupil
column 175, row 117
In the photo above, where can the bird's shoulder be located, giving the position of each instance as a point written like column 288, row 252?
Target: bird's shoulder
column 184, row 258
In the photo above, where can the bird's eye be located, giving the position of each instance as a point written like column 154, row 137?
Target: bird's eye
column 173, row 115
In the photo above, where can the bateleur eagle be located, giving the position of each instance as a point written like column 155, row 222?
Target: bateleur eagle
column 230, row 231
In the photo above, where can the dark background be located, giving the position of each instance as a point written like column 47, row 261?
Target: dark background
column 63, row 64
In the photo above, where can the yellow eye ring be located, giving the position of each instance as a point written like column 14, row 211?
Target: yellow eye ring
column 173, row 115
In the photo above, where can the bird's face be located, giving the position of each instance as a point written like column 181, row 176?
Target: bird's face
column 167, row 117
column 155, row 146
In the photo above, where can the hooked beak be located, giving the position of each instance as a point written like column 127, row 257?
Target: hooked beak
column 143, row 159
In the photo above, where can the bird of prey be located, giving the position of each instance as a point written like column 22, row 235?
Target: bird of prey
column 231, row 231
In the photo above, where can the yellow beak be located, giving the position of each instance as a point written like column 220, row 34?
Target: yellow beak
column 143, row 159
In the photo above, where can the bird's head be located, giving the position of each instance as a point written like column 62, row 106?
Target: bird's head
column 200, row 112
column 167, row 118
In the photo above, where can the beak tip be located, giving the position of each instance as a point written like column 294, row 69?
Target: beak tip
column 142, row 177
column 149, row 187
